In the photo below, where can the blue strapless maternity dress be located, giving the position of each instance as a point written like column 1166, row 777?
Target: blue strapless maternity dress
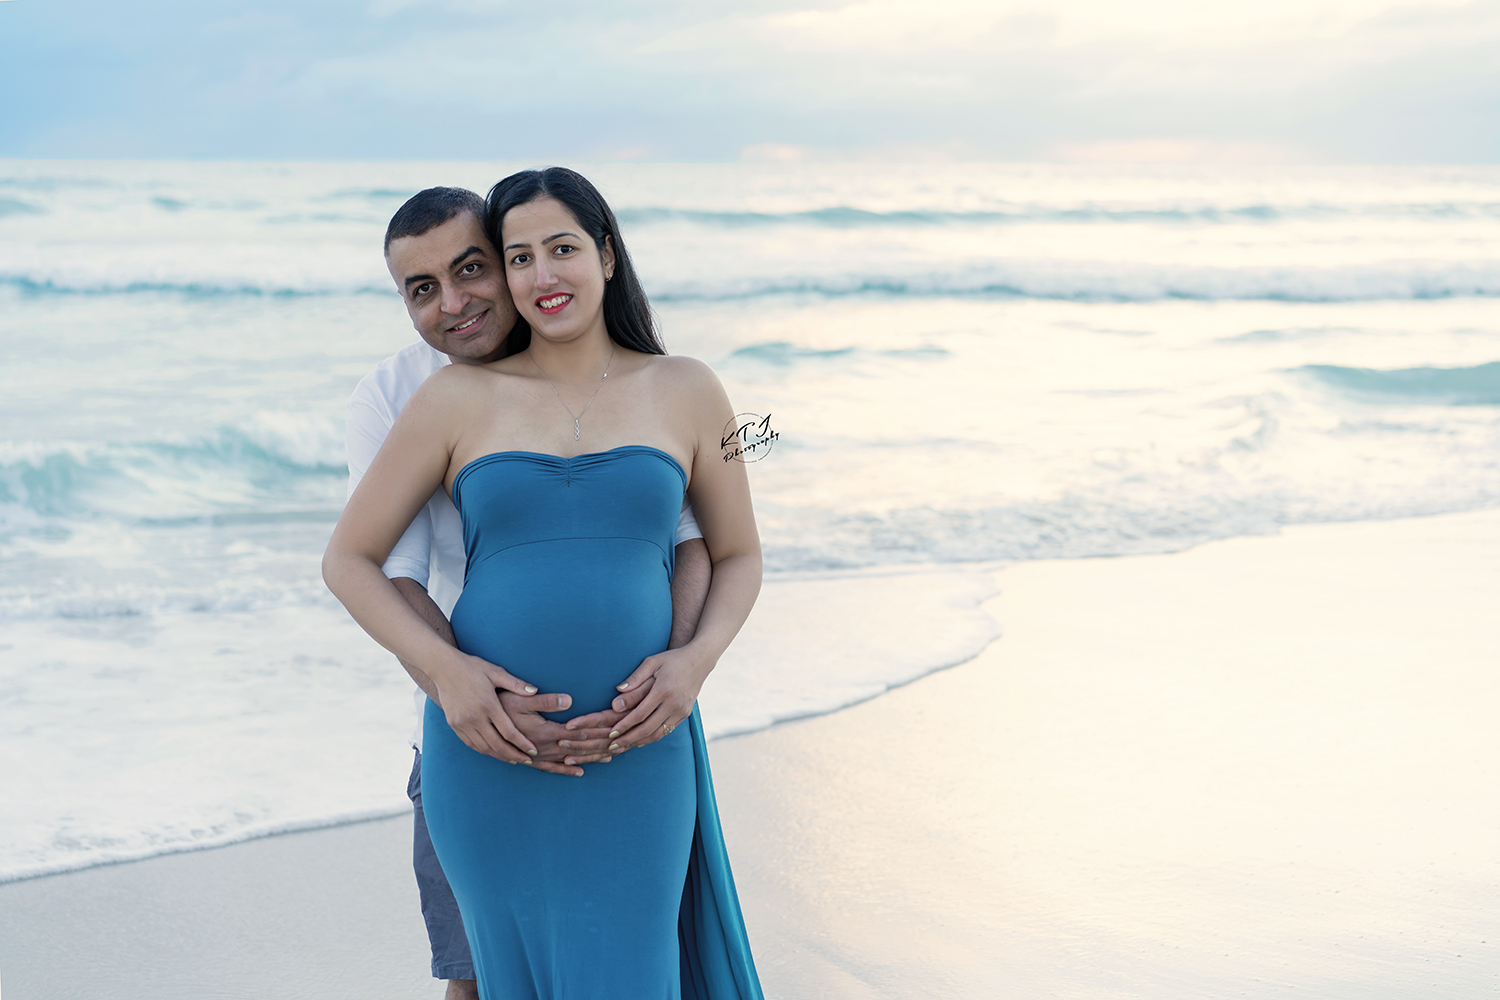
column 616, row 885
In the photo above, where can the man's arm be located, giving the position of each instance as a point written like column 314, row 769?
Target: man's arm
column 366, row 426
column 689, row 590
column 422, row 603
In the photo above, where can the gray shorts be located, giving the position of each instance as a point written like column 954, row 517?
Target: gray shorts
column 445, row 928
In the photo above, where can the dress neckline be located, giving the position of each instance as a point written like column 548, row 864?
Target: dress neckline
column 565, row 460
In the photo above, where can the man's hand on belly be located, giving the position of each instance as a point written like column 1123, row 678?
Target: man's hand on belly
column 559, row 750
column 607, row 722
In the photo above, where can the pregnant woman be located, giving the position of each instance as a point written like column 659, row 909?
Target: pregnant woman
column 568, row 461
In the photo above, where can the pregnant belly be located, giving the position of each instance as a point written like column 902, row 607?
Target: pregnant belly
column 574, row 615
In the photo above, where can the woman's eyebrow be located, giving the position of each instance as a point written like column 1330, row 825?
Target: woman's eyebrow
column 554, row 236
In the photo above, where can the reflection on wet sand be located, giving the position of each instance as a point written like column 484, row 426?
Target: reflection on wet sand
column 1265, row 767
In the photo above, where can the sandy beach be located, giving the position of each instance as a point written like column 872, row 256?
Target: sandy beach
column 1264, row 767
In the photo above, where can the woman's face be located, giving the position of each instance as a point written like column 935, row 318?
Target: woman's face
column 556, row 274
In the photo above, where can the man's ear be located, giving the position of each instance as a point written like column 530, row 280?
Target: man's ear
column 607, row 255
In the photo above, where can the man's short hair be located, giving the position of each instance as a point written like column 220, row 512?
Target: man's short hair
column 426, row 210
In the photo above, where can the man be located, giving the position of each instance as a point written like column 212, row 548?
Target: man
column 453, row 284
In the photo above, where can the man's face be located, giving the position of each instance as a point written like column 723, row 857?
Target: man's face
column 454, row 288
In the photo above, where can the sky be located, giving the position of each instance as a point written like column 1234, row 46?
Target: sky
column 1375, row 81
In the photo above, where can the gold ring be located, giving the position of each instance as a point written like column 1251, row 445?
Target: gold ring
column 667, row 727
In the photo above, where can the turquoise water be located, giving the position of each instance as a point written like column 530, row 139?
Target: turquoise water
column 966, row 364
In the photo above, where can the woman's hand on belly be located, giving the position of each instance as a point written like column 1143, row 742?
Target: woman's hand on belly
column 670, row 682
column 469, row 694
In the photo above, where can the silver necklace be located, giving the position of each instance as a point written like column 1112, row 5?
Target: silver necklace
column 579, row 416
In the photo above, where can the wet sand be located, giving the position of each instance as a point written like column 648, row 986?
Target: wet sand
column 1262, row 768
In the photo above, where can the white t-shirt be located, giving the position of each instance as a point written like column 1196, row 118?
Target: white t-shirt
column 431, row 551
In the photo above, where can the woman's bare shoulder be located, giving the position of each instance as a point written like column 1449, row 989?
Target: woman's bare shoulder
column 453, row 387
column 680, row 374
column 458, row 378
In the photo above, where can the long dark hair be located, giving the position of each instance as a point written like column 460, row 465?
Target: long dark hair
column 627, row 314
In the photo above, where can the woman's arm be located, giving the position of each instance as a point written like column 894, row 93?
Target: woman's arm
column 410, row 466
column 720, row 493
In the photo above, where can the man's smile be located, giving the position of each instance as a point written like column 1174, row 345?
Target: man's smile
column 553, row 303
column 469, row 325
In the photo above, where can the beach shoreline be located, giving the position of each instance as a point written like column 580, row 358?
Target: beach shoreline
column 1259, row 767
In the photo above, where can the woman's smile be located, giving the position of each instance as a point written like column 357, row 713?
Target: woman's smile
column 553, row 304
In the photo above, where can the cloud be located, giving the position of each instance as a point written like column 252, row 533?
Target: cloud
column 817, row 79
column 1169, row 151
column 774, row 152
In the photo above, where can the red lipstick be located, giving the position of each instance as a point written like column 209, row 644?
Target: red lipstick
column 550, row 304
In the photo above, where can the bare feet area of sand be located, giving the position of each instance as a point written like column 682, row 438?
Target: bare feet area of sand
column 1265, row 767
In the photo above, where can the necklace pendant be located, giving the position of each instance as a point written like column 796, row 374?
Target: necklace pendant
column 577, row 431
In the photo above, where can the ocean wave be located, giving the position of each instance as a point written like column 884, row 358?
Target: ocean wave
column 289, row 441
column 231, row 592
column 783, row 354
column 138, row 845
column 1077, row 526
column 1045, row 279
column 254, row 288
column 1072, row 527
column 850, row 217
column 51, row 184
column 1091, row 281
column 1478, row 385
column 147, row 479
column 1285, row 335
column 366, row 194
column 320, row 218
column 13, row 206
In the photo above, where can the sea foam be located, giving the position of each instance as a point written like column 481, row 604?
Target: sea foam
column 186, row 731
